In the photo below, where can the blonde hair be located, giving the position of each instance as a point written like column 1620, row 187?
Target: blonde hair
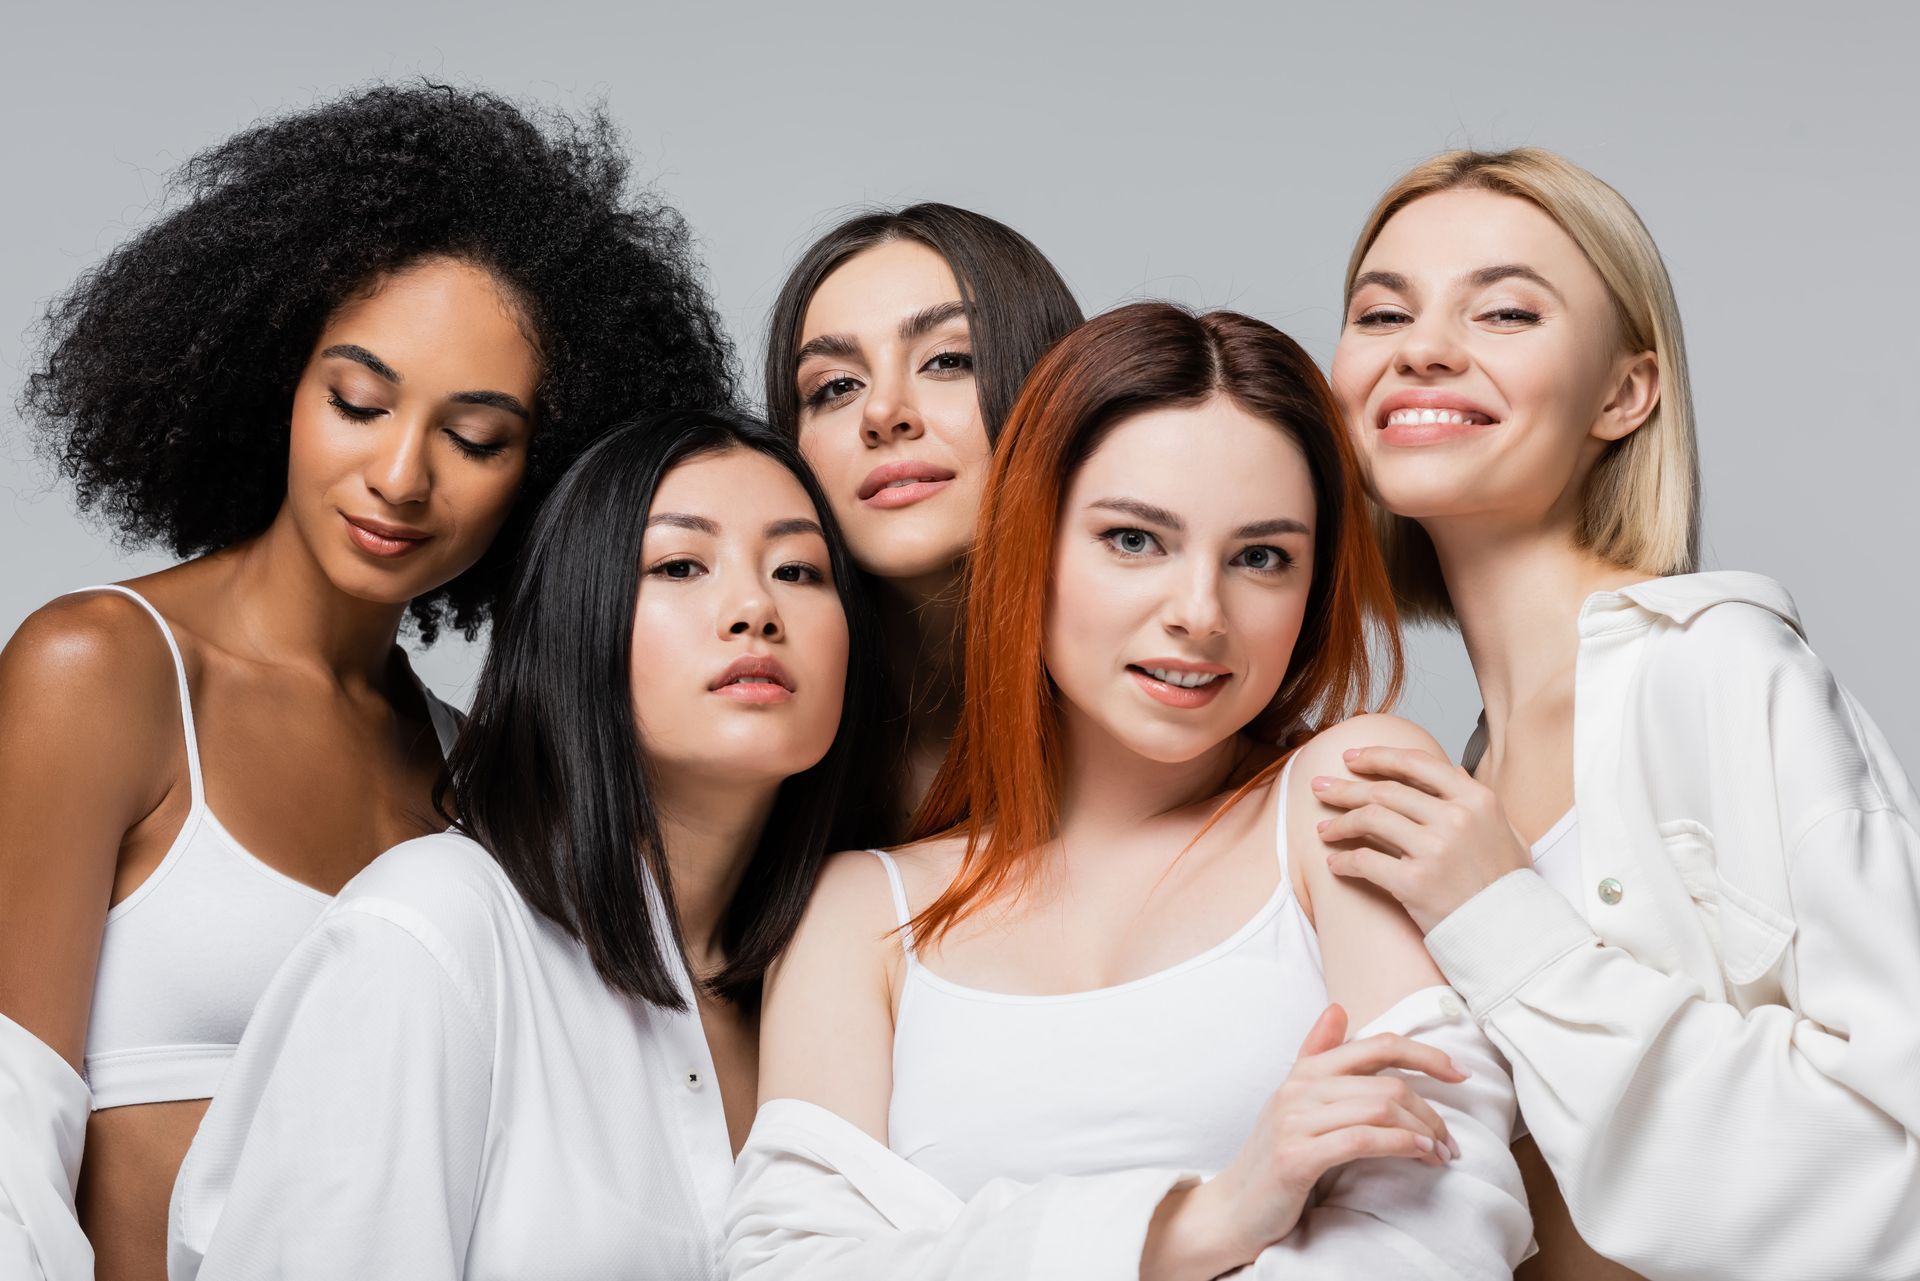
column 1641, row 508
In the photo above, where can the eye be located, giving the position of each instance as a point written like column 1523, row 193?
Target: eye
column 798, row 572
column 1265, row 559
column 832, row 393
column 1382, row 317
column 473, row 448
column 1515, row 317
column 352, row 412
column 1131, row 542
column 951, row 363
column 679, row 568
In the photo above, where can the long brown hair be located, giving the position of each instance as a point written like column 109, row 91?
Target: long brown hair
column 1000, row 782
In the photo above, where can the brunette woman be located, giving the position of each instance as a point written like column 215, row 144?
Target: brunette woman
column 526, row 1048
column 1106, row 974
column 1677, row 878
column 336, row 375
column 894, row 354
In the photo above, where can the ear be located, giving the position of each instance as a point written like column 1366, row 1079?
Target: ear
column 1636, row 394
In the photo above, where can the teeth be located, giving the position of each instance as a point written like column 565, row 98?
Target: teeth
column 1422, row 417
column 1185, row 680
column 755, row 680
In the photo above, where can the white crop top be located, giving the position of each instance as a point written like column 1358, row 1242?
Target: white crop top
column 186, row 956
column 1166, row 1071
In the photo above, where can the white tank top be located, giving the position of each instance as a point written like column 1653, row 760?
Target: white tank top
column 186, row 956
column 1169, row 1070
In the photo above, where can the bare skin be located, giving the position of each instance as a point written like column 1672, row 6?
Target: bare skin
column 316, row 748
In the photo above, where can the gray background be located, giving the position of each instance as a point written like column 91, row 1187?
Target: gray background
column 1217, row 155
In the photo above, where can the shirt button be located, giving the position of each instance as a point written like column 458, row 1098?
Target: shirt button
column 1610, row 891
column 692, row 1080
column 1452, row 1006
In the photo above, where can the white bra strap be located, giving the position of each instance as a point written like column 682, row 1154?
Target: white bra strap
column 179, row 675
column 901, row 912
column 1280, row 819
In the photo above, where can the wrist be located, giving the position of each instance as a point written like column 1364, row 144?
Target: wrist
column 1191, row 1238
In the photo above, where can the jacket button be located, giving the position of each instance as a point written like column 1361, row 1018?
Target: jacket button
column 693, row 1080
column 1610, row 891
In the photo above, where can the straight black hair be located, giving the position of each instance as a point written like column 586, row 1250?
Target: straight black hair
column 1016, row 303
column 549, row 773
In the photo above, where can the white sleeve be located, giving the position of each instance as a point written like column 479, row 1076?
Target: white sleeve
column 814, row 1197
column 1691, row 1139
column 346, row 1137
column 44, row 1107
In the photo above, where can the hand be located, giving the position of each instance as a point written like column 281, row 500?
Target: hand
column 1334, row 1107
column 1427, row 832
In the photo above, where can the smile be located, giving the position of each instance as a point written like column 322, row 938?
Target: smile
column 1185, row 686
column 902, row 484
column 389, row 542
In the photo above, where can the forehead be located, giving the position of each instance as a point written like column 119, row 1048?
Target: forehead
column 1450, row 233
column 877, row 288
column 739, row 489
column 1213, row 460
column 440, row 317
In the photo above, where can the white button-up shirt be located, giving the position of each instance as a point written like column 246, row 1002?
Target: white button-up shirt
column 1718, row 1048
column 438, row 1084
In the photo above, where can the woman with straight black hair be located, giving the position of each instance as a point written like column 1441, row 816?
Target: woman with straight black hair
column 895, row 351
column 527, row 1047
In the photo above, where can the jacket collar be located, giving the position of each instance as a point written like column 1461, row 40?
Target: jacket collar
column 1682, row 598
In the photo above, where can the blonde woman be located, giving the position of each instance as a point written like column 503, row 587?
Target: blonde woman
column 1678, row 878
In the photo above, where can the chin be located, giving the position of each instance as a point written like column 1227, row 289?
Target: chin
column 934, row 552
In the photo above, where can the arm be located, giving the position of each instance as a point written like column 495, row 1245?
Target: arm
column 87, row 699
column 1690, row 1137
column 347, row 1136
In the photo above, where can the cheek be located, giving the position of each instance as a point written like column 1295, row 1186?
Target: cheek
column 477, row 496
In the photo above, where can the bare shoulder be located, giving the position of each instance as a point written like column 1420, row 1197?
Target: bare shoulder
column 93, row 659
column 1323, row 752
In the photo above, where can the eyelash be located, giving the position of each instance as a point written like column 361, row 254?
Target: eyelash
column 824, row 393
column 1110, row 539
column 810, row 574
column 1372, row 319
column 361, row 414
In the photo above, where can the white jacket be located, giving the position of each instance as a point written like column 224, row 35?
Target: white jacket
column 816, row 1197
column 1718, row 1051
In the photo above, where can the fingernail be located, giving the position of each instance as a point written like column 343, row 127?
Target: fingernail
column 1453, row 1150
column 1321, row 826
column 1459, row 1067
column 1321, row 784
column 1350, row 753
column 1422, row 1142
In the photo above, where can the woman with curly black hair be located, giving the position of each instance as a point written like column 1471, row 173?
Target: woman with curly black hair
column 338, row 376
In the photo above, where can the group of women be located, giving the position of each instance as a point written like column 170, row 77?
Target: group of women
column 945, row 828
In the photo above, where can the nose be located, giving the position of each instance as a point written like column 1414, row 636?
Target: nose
column 1428, row 347
column 1194, row 610
column 889, row 413
column 753, row 614
column 398, row 471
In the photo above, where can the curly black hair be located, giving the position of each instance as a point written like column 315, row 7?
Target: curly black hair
column 166, row 381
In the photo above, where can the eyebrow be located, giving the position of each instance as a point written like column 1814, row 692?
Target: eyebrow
column 1481, row 278
column 1167, row 520
column 683, row 520
column 798, row 525
column 494, row 399
column 918, row 325
column 361, row 356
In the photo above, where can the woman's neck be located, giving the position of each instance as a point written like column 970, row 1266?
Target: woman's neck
column 709, row 829
column 1107, row 790
column 1518, row 596
column 285, row 610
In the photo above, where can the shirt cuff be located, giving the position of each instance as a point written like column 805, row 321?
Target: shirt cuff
column 1097, row 1227
column 1503, row 936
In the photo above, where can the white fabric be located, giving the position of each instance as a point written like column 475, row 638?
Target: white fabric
column 988, row 1085
column 815, row 1197
column 43, row 1123
column 1722, row 1067
column 185, row 956
column 439, row 1085
column 1556, row 856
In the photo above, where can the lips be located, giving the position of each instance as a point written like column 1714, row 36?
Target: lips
column 1179, row 682
column 383, row 538
column 903, row 483
column 754, row 678
column 1429, row 416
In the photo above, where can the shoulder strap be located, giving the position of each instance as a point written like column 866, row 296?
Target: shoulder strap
column 902, row 914
column 179, row 675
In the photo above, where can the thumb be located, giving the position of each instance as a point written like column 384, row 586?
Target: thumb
column 1328, row 1031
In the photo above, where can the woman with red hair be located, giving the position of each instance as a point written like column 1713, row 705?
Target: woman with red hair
column 1082, row 1027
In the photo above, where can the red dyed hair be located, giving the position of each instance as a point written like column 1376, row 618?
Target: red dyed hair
column 1000, row 782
